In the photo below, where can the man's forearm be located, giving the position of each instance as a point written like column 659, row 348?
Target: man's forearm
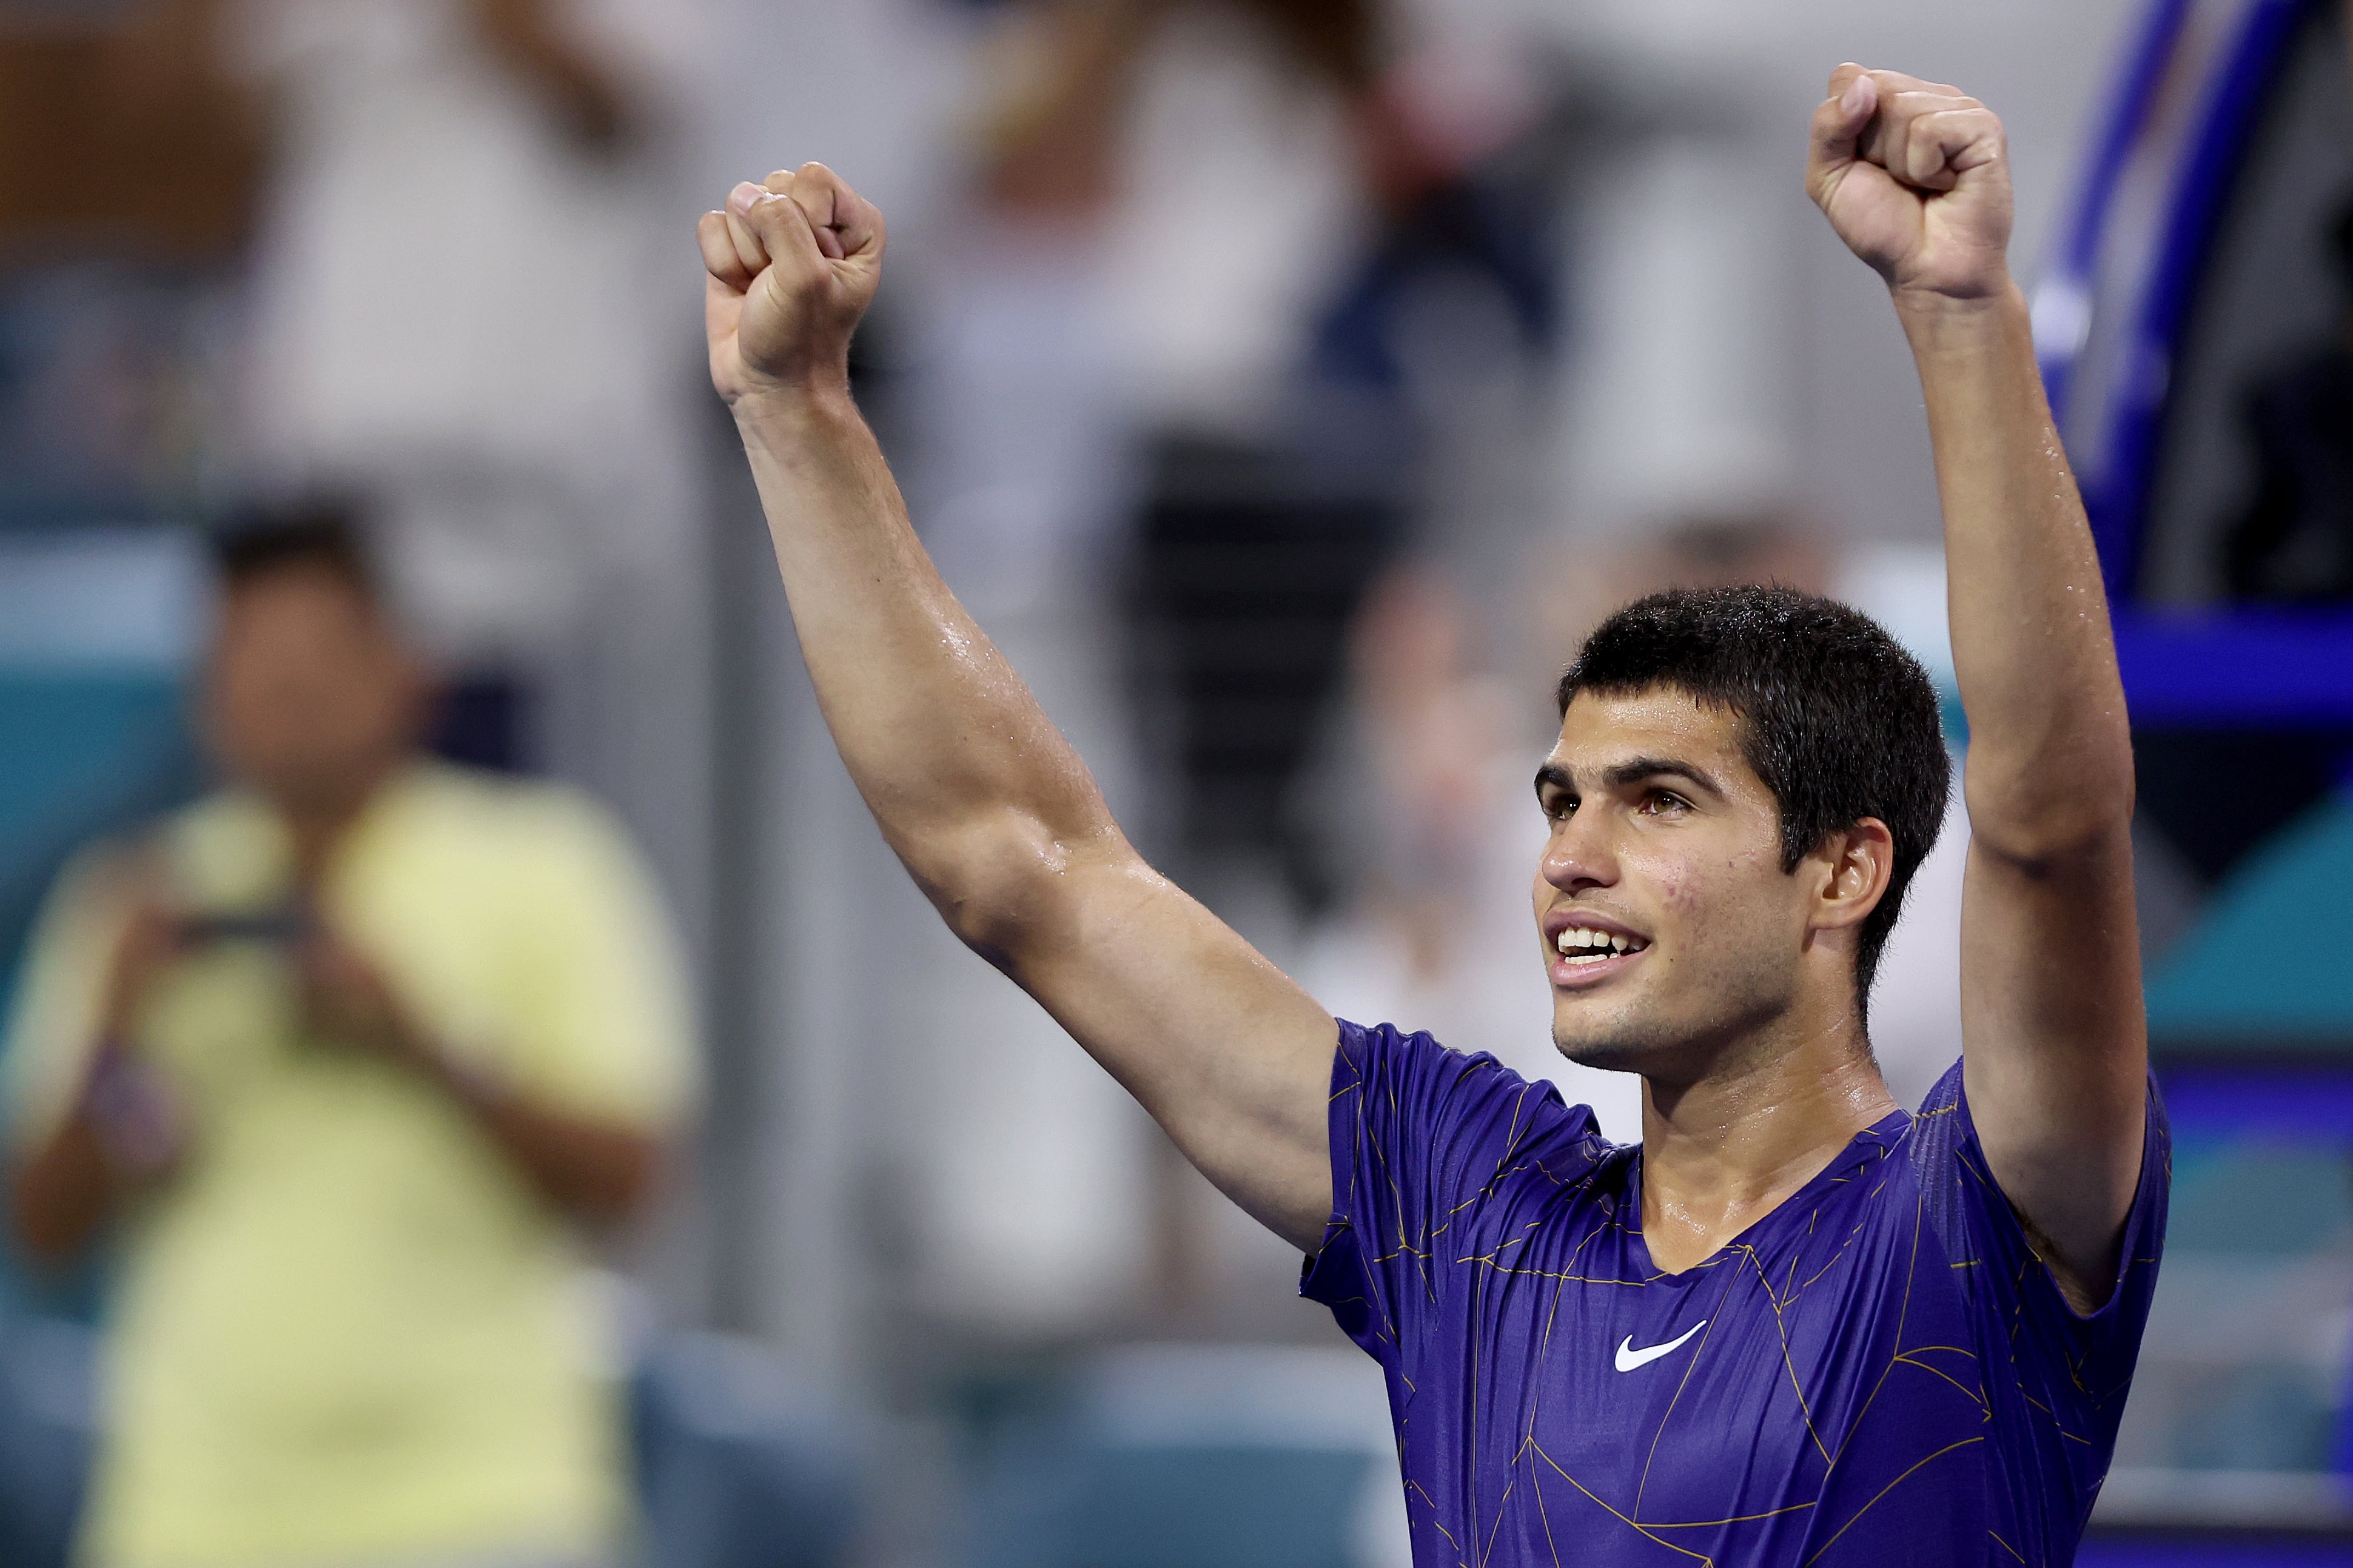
column 593, row 1171
column 2050, row 748
column 960, row 766
column 121, row 1133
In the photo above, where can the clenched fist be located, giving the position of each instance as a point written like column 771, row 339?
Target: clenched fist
column 793, row 263
column 1915, row 178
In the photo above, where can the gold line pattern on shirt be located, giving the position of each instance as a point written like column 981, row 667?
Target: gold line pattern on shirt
column 1745, row 1262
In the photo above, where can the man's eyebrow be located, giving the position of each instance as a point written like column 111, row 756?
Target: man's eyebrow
column 1635, row 769
column 1553, row 776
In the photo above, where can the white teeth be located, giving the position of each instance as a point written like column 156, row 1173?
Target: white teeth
column 1600, row 944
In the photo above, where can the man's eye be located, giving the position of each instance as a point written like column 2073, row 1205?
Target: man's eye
column 1665, row 801
column 1559, row 808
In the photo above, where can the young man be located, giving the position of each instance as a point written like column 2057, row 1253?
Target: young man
column 1795, row 1325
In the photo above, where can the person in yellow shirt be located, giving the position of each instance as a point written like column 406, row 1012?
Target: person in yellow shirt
column 348, row 1057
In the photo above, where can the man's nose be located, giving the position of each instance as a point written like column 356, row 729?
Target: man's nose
column 1580, row 854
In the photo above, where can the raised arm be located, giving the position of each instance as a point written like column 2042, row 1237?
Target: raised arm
column 1915, row 178
column 983, row 802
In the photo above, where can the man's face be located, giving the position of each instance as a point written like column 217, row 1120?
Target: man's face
column 1663, row 871
column 310, row 696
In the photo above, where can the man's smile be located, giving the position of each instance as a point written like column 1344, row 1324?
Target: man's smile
column 1590, row 948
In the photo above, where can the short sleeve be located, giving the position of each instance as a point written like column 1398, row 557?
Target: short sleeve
column 601, row 1023
column 2076, row 1367
column 53, row 1024
column 1419, row 1134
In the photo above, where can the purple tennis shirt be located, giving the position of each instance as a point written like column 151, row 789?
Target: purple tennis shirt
column 1878, row 1372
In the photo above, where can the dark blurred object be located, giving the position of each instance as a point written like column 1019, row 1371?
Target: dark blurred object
column 1337, row 39
column 1488, row 230
column 2296, row 542
column 284, row 927
column 323, row 531
column 482, row 719
column 2188, row 269
column 2178, row 779
column 1249, row 568
column 120, row 131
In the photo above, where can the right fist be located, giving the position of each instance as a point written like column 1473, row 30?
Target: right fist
column 793, row 263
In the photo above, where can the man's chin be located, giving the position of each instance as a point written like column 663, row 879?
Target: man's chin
column 1617, row 1049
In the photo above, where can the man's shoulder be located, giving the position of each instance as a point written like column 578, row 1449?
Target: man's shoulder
column 1450, row 1105
column 1940, row 1143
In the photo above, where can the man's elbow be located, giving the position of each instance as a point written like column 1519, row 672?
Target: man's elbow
column 1006, row 883
column 2039, row 819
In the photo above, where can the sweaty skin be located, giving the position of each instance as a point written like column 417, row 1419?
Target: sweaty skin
column 1740, row 1011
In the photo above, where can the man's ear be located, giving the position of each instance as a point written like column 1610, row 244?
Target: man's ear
column 1861, row 862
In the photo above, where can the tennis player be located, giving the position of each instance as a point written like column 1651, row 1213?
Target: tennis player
column 1795, row 1325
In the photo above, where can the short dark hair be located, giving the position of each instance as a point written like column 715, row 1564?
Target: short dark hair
column 319, row 534
column 1837, row 719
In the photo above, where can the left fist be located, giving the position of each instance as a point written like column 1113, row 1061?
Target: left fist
column 793, row 263
column 1915, row 178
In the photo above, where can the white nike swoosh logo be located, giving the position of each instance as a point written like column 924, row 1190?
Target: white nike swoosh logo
column 1629, row 1358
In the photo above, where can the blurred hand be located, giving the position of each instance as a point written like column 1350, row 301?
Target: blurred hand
column 128, row 1107
column 347, row 1000
column 151, row 942
column 793, row 263
column 1915, row 176
column 588, row 99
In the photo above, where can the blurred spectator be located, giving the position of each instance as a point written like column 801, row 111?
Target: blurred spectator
column 1367, row 140
column 347, row 1054
column 1069, row 69
column 457, row 303
column 2296, row 540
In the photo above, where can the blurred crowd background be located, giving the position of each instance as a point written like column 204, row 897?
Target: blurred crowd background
column 1286, row 385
